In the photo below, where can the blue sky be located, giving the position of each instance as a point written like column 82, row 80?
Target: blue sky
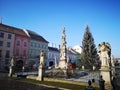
column 47, row 17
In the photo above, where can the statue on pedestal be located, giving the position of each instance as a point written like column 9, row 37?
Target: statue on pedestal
column 105, row 54
column 41, row 67
column 105, row 71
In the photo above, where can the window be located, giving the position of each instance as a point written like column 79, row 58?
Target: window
column 24, row 52
column 18, row 43
column 0, row 53
column 8, row 44
column 31, row 44
column 1, row 43
column 1, row 35
column 9, row 36
column 39, row 45
column 25, row 44
column 7, row 54
column 34, row 44
column 45, row 47
column 17, row 52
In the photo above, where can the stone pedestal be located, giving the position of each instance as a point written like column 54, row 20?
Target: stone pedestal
column 40, row 74
column 105, row 72
column 62, row 64
column 10, row 71
column 41, row 67
column 11, row 67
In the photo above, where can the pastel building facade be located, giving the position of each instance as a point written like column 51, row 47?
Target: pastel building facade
column 73, row 55
column 53, row 56
column 7, row 37
column 13, row 42
column 21, row 46
column 37, row 44
column 78, row 49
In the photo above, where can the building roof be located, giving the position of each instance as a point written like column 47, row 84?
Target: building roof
column 35, row 36
column 53, row 49
column 12, row 29
column 70, row 49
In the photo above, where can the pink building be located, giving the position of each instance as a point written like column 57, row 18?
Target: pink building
column 16, row 41
column 21, row 46
column 6, row 45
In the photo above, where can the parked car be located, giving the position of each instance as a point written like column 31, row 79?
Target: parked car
column 81, row 73
column 51, row 67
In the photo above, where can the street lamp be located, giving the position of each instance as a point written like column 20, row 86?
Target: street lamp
column 93, row 80
column 83, row 68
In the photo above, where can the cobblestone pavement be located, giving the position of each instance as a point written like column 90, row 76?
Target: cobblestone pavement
column 10, row 84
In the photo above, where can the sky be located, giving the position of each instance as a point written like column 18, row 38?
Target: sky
column 48, row 17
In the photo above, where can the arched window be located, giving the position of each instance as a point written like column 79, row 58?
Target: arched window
column 17, row 52
column 25, row 44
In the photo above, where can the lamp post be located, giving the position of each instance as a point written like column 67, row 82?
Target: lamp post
column 83, row 68
column 93, row 79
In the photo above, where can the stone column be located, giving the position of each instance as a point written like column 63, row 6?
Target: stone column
column 112, row 66
column 41, row 67
column 55, row 62
column 63, row 58
column 11, row 67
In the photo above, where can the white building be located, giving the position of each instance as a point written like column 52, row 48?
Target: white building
column 73, row 55
column 78, row 48
column 53, row 56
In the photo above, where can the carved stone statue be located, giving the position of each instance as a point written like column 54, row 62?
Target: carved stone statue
column 42, row 58
column 12, row 61
column 63, row 37
column 104, row 53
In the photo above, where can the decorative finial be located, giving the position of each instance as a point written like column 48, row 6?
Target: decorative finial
column 63, row 29
column 87, row 27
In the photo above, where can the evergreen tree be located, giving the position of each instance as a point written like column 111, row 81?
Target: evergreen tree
column 89, row 56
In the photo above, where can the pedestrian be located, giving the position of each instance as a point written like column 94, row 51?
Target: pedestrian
column 89, row 87
column 93, row 82
column 114, row 82
column 102, row 83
